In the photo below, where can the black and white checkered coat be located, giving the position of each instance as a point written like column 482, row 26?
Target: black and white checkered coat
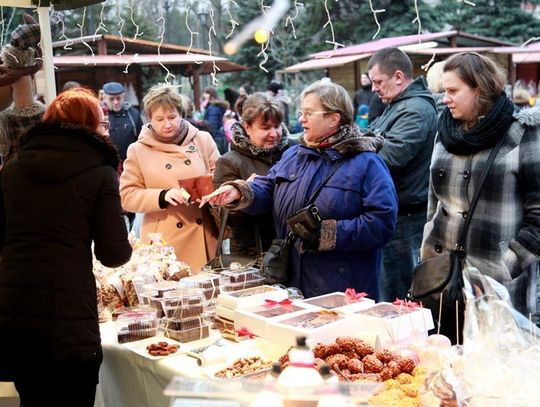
column 504, row 235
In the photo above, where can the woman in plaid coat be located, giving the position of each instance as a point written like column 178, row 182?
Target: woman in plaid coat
column 503, row 239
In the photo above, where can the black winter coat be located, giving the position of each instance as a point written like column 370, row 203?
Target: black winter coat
column 243, row 160
column 58, row 197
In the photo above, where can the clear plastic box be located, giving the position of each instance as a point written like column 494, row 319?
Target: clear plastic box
column 136, row 325
column 207, row 282
column 183, row 324
column 184, row 303
column 241, row 275
column 189, row 335
column 340, row 302
column 230, row 287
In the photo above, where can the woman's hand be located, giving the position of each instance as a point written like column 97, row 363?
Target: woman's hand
column 222, row 196
column 176, row 196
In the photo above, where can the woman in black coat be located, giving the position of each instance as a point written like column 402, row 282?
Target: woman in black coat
column 257, row 143
column 59, row 197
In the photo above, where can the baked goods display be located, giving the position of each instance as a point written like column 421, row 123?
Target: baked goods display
column 161, row 349
column 244, row 366
column 136, row 325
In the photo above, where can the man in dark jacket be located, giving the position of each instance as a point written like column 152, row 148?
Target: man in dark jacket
column 409, row 125
column 125, row 121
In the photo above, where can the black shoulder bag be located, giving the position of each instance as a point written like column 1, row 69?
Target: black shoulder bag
column 221, row 260
column 275, row 266
column 438, row 281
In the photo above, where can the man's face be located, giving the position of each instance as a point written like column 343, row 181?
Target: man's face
column 114, row 102
column 364, row 80
column 387, row 87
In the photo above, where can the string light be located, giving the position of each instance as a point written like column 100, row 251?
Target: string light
column 290, row 20
column 81, row 26
column 212, row 29
column 68, row 41
column 533, row 39
column 329, row 23
column 262, row 36
column 375, row 12
column 161, row 36
column 426, row 66
column 470, row 3
column 121, row 27
column 417, row 18
column 192, row 34
column 233, row 22
column 264, row 56
column 2, row 23
column 137, row 34
column 101, row 26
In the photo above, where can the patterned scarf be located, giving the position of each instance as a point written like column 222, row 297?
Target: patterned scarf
column 177, row 139
column 482, row 136
column 348, row 140
column 240, row 141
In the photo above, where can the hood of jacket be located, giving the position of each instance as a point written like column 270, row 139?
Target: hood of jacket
column 417, row 88
column 529, row 116
column 221, row 104
column 57, row 151
column 241, row 142
column 146, row 137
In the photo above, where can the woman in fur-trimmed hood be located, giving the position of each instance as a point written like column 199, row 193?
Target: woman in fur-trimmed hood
column 503, row 240
column 257, row 143
column 357, row 204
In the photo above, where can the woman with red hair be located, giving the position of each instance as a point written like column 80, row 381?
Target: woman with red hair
column 58, row 198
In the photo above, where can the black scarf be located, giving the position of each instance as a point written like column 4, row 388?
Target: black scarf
column 483, row 136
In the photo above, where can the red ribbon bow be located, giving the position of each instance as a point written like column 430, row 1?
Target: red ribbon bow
column 245, row 332
column 351, row 293
column 286, row 301
column 405, row 303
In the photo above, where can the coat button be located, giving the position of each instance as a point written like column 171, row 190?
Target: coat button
column 464, row 214
column 466, row 174
column 442, row 172
column 168, row 166
column 292, row 176
column 192, row 148
column 187, row 162
column 341, row 270
column 199, row 221
column 438, row 248
column 179, row 225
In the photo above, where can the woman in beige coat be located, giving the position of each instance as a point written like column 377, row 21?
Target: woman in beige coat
column 170, row 149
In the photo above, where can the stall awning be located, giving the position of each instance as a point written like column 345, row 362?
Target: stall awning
column 205, row 62
column 322, row 63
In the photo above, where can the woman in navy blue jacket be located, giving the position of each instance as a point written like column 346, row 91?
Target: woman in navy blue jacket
column 357, row 204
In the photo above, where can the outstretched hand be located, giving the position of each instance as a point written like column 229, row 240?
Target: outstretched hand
column 224, row 195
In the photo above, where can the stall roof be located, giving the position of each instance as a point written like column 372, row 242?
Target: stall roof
column 320, row 63
column 205, row 61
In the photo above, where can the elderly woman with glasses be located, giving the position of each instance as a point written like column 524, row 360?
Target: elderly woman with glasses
column 357, row 201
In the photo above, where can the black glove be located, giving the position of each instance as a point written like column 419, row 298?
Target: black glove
column 306, row 224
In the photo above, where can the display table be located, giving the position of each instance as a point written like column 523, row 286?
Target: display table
column 128, row 379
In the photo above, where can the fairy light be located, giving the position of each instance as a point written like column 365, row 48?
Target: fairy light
column 64, row 36
column 81, row 26
column 101, row 25
column 192, row 35
column 375, row 12
column 262, row 36
column 3, row 26
column 161, row 36
column 426, row 66
column 137, row 34
column 533, row 39
column 212, row 29
column 329, row 23
column 264, row 55
column 121, row 27
column 417, row 18
column 470, row 3
column 233, row 22
column 290, row 20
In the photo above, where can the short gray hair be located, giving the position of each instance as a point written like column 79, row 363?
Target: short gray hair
column 333, row 97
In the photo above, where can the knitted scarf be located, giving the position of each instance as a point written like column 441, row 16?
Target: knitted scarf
column 348, row 140
column 483, row 136
column 240, row 141
column 177, row 139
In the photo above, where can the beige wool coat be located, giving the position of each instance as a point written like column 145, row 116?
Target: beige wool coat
column 153, row 166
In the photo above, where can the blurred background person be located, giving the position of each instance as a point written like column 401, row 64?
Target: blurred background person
column 70, row 85
column 170, row 149
column 357, row 204
column 434, row 77
column 276, row 93
column 214, row 109
column 59, row 200
column 521, row 99
column 503, row 239
column 257, row 143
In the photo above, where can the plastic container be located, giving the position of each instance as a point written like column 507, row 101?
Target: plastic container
column 183, row 303
column 269, row 396
column 207, row 282
column 189, row 335
column 242, row 275
column 136, row 325
column 339, row 301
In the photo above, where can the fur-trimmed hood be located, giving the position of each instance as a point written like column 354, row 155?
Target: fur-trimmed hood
column 528, row 116
column 241, row 142
column 57, row 151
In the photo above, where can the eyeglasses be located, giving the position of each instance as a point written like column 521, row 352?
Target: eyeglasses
column 105, row 125
column 308, row 115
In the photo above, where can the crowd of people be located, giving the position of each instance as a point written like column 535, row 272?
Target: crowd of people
column 375, row 184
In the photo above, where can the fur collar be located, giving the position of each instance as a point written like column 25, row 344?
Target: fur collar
column 73, row 131
column 241, row 142
column 528, row 116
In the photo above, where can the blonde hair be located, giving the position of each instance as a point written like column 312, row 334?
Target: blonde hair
column 163, row 96
column 333, row 97
column 434, row 77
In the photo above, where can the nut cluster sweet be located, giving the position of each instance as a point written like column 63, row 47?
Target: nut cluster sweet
column 161, row 349
column 244, row 366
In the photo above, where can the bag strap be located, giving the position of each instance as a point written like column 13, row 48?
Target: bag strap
column 223, row 226
column 460, row 245
column 335, row 167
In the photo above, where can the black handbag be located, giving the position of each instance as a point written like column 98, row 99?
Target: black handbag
column 222, row 261
column 275, row 265
column 438, row 281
